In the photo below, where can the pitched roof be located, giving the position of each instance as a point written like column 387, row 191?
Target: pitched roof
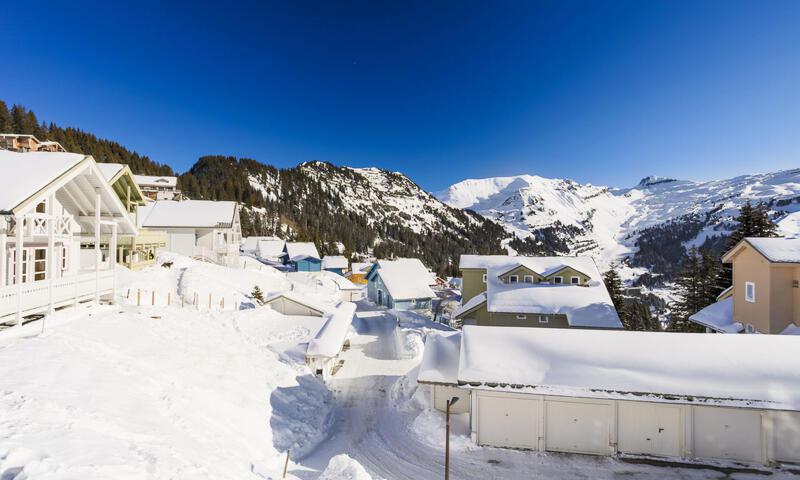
column 110, row 170
column 709, row 369
column 718, row 316
column 153, row 180
column 440, row 358
column 300, row 250
column 271, row 248
column 334, row 261
column 330, row 338
column 359, row 267
column 406, row 278
column 296, row 298
column 190, row 213
column 777, row 250
column 24, row 174
column 544, row 266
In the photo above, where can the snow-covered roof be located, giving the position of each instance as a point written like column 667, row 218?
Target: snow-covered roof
column 360, row 267
column 300, row 250
column 718, row 316
column 334, row 261
column 272, row 248
column 406, row 278
column 296, row 298
column 472, row 303
column 190, row 213
column 677, row 367
column 24, row 174
column 330, row 338
column 110, row 170
column 778, row 250
column 792, row 329
column 156, row 181
column 440, row 358
column 542, row 265
column 250, row 244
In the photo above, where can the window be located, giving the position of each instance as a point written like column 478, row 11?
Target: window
column 528, row 278
column 484, row 278
column 522, row 317
column 64, row 261
column 750, row 292
column 513, row 279
column 558, row 280
column 575, row 280
column 544, row 319
column 39, row 263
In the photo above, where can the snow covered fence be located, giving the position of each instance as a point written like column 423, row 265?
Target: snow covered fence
column 168, row 298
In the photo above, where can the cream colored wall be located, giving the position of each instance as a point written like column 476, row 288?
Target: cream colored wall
column 472, row 283
column 520, row 272
column 781, row 303
column 750, row 266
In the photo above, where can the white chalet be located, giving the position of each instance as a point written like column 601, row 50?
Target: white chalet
column 59, row 219
column 202, row 229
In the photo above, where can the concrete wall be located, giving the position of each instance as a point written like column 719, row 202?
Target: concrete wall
column 441, row 393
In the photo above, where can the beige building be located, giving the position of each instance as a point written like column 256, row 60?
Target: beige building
column 159, row 188
column 546, row 292
column 27, row 143
column 765, row 295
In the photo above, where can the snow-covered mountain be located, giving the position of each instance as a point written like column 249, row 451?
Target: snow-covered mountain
column 607, row 222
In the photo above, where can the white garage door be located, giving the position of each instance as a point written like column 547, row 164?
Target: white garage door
column 578, row 427
column 787, row 436
column 508, row 420
column 727, row 433
column 649, row 428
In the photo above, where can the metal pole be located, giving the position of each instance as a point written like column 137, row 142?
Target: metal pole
column 447, row 443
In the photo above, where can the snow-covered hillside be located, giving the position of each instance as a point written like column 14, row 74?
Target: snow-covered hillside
column 606, row 222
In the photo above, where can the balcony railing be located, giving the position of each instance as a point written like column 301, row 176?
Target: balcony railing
column 37, row 224
column 34, row 297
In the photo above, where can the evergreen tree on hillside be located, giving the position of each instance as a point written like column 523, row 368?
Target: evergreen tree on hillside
column 639, row 317
column 614, row 286
column 6, row 123
column 690, row 289
column 752, row 221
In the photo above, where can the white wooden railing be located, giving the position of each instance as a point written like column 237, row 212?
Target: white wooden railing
column 37, row 224
column 225, row 255
column 34, row 297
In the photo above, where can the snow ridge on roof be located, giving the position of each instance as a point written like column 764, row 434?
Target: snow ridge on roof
column 685, row 367
column 300, row 250
column 159, row 181
column 334, row 261
column 190, row 213
column 406, row 278
column 24, row 174
column 110, row 170
column 272, row 248
column 778, row 250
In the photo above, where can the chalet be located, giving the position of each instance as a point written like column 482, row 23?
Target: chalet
column 335, row 263
column 139, row 250
column 59, row 221
column 202, row 229
column 159, row 188
column 550, row 292
column 358, row 272
column 765, row 294
column 27, row 143
column 302, row 257
column 402, row 284
column 604, row 392
column 323, row 350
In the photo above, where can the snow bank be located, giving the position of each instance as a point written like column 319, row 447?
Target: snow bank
column 440, row 360
column 342, row 467
column 429, row 427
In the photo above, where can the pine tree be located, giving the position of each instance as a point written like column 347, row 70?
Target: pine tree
column 6, row 123
column 689, row 287
column 751, row 222
column 257, row 295
column 614, row 286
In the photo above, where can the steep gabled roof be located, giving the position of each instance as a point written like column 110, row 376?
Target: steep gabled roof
column 405, row 278
column 25, row 174
column 775, row 250
column 191, row 214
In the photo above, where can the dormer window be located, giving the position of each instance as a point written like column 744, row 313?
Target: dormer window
column 558, row 280
column 528, row 278
column 513, row 279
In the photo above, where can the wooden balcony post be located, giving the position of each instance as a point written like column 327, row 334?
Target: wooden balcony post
column 20, row 230
column 98, row 256
column 112, row 260
column 50, row 259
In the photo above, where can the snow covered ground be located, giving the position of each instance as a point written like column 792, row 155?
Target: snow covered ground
column 184, row 392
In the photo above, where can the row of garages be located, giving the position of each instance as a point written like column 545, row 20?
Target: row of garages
column 608, row 427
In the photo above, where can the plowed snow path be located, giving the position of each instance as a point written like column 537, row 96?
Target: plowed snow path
column 377, row 435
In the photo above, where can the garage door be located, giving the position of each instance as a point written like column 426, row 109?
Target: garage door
column 649, row 428
column 508, row 421
column 727, row 433
column 578, row 427
column 787, row 436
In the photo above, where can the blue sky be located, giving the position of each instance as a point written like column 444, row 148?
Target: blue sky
column 601, row 92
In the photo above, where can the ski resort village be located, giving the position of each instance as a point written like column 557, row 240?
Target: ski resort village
column 148, row 332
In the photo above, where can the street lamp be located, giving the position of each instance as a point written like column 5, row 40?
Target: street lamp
column 450, row 403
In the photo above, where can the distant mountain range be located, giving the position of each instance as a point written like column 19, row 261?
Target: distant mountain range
column 643, row 229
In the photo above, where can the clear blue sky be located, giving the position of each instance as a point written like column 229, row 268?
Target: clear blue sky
column 601, row 92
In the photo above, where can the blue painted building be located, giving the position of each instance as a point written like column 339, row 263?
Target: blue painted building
column 302, row 257
column 403, row 284
column 337, row 264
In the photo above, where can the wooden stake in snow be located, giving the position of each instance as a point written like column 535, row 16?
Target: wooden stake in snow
column 128, row 295
column 153, row 299
column 138, row 297
column 169, row 298
column 209, row 301
column 222, row 303
column 286, row 464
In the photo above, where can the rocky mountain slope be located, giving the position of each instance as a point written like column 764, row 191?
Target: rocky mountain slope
column 644, row 227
